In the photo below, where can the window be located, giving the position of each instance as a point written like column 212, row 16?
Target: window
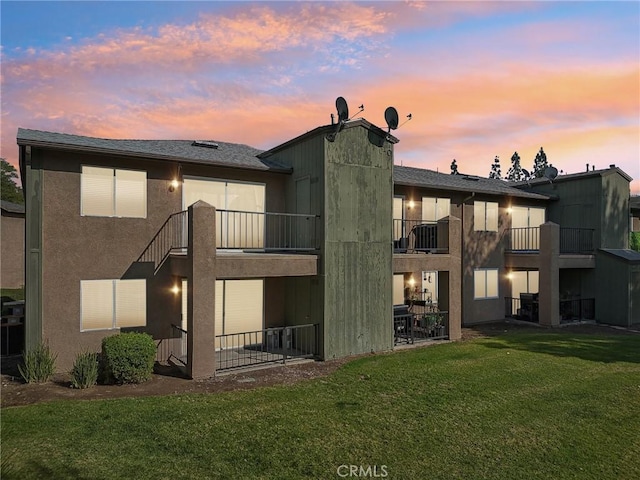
column 433, row 209
column 398, row 289
column 239, row 309
column 485, row 216
column 108, row 192
column 485, row 283
column 109, row 304
column 398, row 217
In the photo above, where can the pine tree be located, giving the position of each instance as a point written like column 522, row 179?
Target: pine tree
column 11, row 192
column 539, row 164
column 496, row 171
column 454, row 168
column 515, row 173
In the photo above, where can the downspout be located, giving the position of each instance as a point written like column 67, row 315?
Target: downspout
column 462, row 233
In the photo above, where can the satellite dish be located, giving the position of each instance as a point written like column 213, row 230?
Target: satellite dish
column 343, row 109
column 526, row 173
column 391, row 117
column 551, row 172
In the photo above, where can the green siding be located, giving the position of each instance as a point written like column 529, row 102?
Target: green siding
column 33, row 244
column 614, row 301
column 357, row 248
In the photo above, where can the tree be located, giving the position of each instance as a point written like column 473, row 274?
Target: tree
column 515, row 173
column 11, row 192
column 496, row 171
column 539, row 164
column 454, row 168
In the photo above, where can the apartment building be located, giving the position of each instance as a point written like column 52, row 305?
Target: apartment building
column 230, row 256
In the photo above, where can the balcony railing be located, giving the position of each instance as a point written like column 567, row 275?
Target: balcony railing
column 572, row 240
column 419, row 236
column 577, row 309
column 412, row 327
column 271, row 345
column 524, row 239
column 266, row 231
column 576, row 240
column 170, row 236
column 527, row 307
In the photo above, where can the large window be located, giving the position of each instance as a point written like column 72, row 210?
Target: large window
column 433, row 209
column 239, row 309
column 233, row 229
column 398, row 289
column 398, row 218
column 108, row 192
column 485, row 283
column 485, row 216
column 109, row 304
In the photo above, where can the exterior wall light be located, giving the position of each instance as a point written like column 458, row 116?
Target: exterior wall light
column 175, row 289
column 410, row 205
column 174, row 185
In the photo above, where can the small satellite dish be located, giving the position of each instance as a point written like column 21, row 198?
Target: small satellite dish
column 526, row 173
column 343, row 109
column 551, row 172
column 391, row 117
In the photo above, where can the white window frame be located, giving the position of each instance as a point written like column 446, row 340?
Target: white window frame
column 114, row 187
column 482, row 205
column 114, row 304
column 485, row 271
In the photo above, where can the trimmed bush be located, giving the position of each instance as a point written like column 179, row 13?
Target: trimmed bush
column 127, row 358
column 38, row 365
column 84, row 373
column 634, row 241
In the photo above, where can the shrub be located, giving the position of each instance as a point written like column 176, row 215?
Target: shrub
column 38, row 364
column 634, row 241
column 127, row 358
column 84, row 373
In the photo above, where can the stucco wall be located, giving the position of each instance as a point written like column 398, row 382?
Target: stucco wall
column 12, row 229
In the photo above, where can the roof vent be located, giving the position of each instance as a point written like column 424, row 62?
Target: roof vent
column 204, row 143
column 471, row 177
column 613, row 165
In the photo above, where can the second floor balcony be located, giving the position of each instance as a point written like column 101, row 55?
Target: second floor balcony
column 572, row 240
column 416, row 236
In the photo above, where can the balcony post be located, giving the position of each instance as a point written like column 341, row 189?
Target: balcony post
column 549, row 277
column 455, row 278
column 201, row 262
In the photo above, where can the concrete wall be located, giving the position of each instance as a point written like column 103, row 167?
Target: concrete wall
column 357, row 254
column 12, row 231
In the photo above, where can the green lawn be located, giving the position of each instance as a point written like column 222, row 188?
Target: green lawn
column 539, row 406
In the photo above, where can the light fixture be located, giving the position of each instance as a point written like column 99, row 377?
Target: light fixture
column 412, row 281
column 509, row 210
column 510, row 276
column 175, row 289
column 174, row 184
column 410, row 205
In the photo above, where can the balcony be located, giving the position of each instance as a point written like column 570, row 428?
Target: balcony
column 237, row 231
column 572, row 240
column 415, row 236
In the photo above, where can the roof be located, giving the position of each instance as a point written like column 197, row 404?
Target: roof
column 232, row 155
column 574, row 176
column 634, row 202
column 629, row 256
column 328, row 129
column 11, row 207
column 419, row 177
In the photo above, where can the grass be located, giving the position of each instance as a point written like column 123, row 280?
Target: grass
column 536, row 406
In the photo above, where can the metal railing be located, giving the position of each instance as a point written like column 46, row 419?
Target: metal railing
column 577, row 309
column 419, row 236
column 266, row 231
column 170, row 236
column 572, row 240
column 521, row 309
column 413, row 327
column 576, row 240
column 523, row 239
column 271, row 345
column 174, row 347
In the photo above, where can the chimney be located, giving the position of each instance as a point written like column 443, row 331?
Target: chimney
column 587, row 167
column 613, row 165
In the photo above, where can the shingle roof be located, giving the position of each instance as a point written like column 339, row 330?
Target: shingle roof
column 419, row 177
column 630, row 256
column 573, row 176
column 227, row 154
column 11, row 207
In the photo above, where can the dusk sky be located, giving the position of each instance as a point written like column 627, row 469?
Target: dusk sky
column 480, row 78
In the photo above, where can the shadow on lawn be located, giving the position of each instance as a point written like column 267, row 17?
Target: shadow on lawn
column 619, row 348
